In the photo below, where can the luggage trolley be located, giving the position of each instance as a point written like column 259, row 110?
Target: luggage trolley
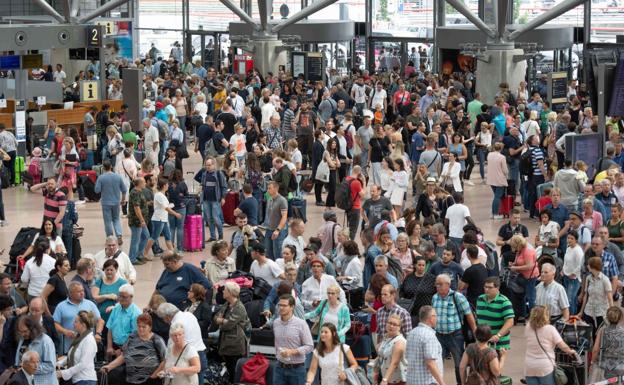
column 578, row 335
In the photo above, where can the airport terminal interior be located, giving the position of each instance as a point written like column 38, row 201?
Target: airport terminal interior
column 481, row 139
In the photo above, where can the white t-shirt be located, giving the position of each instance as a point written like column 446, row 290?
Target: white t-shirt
column 465, row 261
column 35, row 276
column 58, row 241
column 329, row 365
column 160, row 203
column 238, row 142
column 269, row 271
column 378, row 98
column 59, row 76
column 296, row 157
column 456, row 214
column 359, row 93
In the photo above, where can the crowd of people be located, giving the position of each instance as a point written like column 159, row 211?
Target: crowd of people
column 409, row 267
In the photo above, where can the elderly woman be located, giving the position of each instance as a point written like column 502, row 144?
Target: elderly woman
column 541, row 340
column 592, row 219
column 143, row 355
column 159, row 326
column 331, row 310
column 200, row 307
column 548, row 234
column 233, row 323
column 403, row 254
column 31, row 336
column 221, row 264
column 391, row 365
column 114, row 148
column 482, row 359
column 351, row 266
column 609, row 345
column 181, row 360
column 597, row 296
column 80, row 361
column 525, row 264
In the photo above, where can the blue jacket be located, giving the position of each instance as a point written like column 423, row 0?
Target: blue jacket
column 221, row 189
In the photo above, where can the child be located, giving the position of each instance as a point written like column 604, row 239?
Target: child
column 34, row 169
column 581, row 175
column 544, row 200
column 238, row 145
column 379, row 116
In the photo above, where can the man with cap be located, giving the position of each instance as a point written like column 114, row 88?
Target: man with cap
column 311, row 252
column 264, row 267
column 314, row 289
column 161, row 114
column 575, row 223
column 427, row 100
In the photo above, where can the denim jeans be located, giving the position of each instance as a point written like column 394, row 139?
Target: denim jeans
column 572, row 287
column 499, row 193
column 85, row 382
column 138, row 241
column 68, row 241
column 177, row 228
column 203, row 361
column 548, row 379
column 529, row 293
column 112, row 220
column 214, row 217
column 274, row 246
column 161, row 227
column 289, row 376
column 364, row 161
column 454, row 344
column 482, row 154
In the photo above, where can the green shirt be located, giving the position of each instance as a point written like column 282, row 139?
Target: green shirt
column 137, row 198
column 494, row 314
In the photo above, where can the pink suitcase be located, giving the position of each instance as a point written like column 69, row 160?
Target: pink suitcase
column 193, row 233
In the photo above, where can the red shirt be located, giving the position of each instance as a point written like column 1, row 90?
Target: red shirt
column 356, row 187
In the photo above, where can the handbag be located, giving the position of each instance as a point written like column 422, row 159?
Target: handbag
column 561, row 378
column 316, row 327
column 254, row 370
column 510, row 279
column 354, row 376
column 322, row 172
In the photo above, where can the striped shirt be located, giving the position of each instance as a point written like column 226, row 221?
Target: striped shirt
column 289, row 116
column 52, row 203
column 494, row 313
column 536, row 155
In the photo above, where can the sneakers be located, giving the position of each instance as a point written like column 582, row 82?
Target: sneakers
column 138, row 262
column 80, row 202
column 468, row 183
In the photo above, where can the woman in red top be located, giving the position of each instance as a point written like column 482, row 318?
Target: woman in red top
column 526, row 265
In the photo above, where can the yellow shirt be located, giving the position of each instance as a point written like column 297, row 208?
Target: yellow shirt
column 219, row 99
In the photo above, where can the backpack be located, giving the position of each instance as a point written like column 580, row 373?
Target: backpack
column 163, row 130
column 209, row 149
column 491, row 263
column 349, row 138
column 292, row 183
column 162, row 70
column 526, row 163
column 344, row 200
column 394, row 268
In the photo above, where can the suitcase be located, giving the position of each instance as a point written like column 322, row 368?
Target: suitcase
column 297, row 208
column 89, row 174
column 231, row 203
column 20, row 167
column 254, row 312
column 89, row 189
column 506, row 205
column 193, row 233
column 47, row 168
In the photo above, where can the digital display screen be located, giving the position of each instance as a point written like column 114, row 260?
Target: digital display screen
column 32, row 61
column 11, row 62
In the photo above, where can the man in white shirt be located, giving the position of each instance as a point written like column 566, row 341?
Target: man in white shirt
column 457, row 216
column 551, row 294
column 378, row 96
column 111, row 251
column 238, row 104
column 192, row 332
column 358, row 93
column 314, row 289
column 264, row 267
column 59, row 75
column 151, row 141
column 295, row 238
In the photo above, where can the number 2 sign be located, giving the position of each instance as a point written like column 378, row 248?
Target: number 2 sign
column 94, row 36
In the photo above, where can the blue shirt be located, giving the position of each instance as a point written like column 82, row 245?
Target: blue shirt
column 607, row 201
column 418, row 140
column 122, row 322
column 392, row 279
column 65, row 314
column 111, row 187
column 250, row 207
column 369, row 263
column 609, row 265
column 174, row 286
column 453, row 269
column 559, row 214
column 44, row 346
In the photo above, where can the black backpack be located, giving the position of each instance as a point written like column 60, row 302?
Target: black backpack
column 292, row 183
column 526, row 162
column 344, row 200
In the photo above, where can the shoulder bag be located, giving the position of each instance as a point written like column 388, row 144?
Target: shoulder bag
column 354, row 377
column 170, row 378
column 561, row 378
column 322, row 172
column 316, row 327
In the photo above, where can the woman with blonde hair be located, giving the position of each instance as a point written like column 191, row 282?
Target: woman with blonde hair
column 541, row 340
column 525, row 264
column 391, row 365
column 114, row 148
column 69, row 163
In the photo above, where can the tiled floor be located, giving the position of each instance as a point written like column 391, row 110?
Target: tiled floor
column 25, row 209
